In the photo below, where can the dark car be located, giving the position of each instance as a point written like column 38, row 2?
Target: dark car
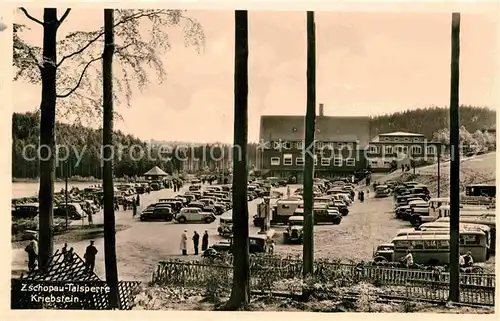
column 282, row 183
column 155, row 186
column 140, row 189
column 25, row 211
column 158, row 212
column 256, row 245
column 75, row 211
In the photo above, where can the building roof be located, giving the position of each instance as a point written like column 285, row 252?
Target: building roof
column 401, row 134
column 155, row 171
column 328, row 128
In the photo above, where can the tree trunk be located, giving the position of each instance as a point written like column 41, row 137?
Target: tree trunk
column 47, row 136
column 240, row 293
column 109, row 212
column 308, row 247
column 454, row 294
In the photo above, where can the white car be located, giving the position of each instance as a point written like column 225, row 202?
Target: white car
column 194, row 214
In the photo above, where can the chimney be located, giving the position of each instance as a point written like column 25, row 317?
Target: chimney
column 321, row 106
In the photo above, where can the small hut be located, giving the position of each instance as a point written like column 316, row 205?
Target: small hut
column 155, row 174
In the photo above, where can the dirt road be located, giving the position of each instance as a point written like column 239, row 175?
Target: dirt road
column 140, row 247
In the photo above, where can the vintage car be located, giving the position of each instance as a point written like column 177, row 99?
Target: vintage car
column 257, row 244
column 225, row 228
column 294, row 231
column 322, row 214
column 160, row 211
column 382, row 191
column 384, row 252
column 194, row 214
column 25, row 211
column 75, row 211
column 342, row 207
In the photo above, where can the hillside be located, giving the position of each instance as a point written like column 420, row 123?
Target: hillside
column 429, row 120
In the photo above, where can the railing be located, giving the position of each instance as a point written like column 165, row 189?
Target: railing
column 476, row 288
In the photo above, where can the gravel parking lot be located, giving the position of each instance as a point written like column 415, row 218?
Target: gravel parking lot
column 140, row 247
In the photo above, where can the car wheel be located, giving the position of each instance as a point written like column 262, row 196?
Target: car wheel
column 182, row 219
column 168, row 218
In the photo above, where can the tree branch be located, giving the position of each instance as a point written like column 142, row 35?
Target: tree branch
column 79, row 80
column 30, row 16
column 64, row 16
column 132, row 17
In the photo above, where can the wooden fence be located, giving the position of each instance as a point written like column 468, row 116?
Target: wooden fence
column 475, row 288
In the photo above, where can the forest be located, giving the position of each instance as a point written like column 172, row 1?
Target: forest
column 428, row 121
column 86, row 142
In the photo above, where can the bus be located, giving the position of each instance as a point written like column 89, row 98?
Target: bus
column 467, row 210
column 435, row 248
column 480, row 190
column 446, row 225
column 488, row 221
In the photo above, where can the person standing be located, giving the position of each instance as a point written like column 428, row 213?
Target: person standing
column 288, row 191
column 138, row 200
column 184, row 243
column 89, row 256
column 32, row 249
column 196, row 242
column 134, row 210
column 204, row 241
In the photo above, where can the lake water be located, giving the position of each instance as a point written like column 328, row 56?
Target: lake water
column 28, row 189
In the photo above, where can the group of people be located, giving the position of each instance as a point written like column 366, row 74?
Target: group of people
column 465, row 260
column 196, row 242
column 68, row 258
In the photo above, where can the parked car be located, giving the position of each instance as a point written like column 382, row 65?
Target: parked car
column 294, row 231
column 25, row 211
column 342, row 207
column 194, row 214
column 155, row 186
column 158, row 212
column 75, row 211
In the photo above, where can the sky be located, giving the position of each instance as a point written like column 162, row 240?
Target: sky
column 367, row 64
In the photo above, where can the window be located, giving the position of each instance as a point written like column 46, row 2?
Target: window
column 386, row 139
column 373, row 163
column 373, row 149
column 300, row 145
column 275, row 161
column 443, row 244
column 406, row 139
column 315, row 160
column 417, row 245
column 287, row 159
column 470, row 240
column 396, row 139
column 337, row 161
column 299, row 161
column 325, row 162
column 276, row 145
column 350, row 162
column 389, row 150
column 416, row 139
column 431, row 150
column 387, row 163
column 287, row 145
column 430, row 245
column 416, row 150
column 402, row 245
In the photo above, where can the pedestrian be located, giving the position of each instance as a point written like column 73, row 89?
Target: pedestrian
column 117, row 208
column 89, row 214
column 65, row 254
column 361, row 196
column 402, row 168
column 204, row 241
column 184, row 242
column 134, row 209
column 125, row 205
column 32, row 249
column 89, row 256
column 196, row 242
column 288, row 191
column 69, row 256
column 138, row 200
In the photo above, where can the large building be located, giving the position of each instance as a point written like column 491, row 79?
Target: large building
column 340, row 144
column 399, row 148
